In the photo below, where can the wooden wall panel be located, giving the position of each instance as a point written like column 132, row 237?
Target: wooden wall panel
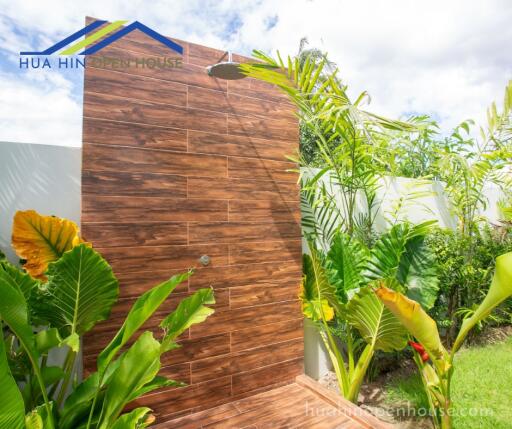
column 177, row 165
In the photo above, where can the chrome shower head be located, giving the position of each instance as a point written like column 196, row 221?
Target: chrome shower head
column 229, row 70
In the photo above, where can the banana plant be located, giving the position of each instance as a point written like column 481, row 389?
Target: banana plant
column 74, row 289
column 435, row 363
column 336, row 287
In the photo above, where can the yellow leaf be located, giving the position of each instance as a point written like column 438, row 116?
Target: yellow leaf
column 42, row 239
column 317, row 310
column 417, row 322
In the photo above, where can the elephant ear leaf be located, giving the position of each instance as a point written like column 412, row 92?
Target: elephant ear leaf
column 40, row 240
column 81, row 291
column 376, row 324
column 501, row 289
column 346, row 261
column 12, row 410
column 417, row 322
column 190, row 311
column 417, row 272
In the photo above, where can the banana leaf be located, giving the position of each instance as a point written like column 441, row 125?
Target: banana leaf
column 500, row 290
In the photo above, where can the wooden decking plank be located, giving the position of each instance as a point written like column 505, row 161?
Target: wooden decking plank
column 301, row 405
column 267, row 412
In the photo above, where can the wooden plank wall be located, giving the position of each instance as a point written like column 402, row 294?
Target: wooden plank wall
column 176, row 165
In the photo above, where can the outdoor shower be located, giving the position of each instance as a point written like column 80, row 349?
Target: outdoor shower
column 229, row 70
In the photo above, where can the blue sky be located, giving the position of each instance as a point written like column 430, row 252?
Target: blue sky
column 447, row 59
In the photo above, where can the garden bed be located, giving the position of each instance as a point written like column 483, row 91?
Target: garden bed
column 482, row 385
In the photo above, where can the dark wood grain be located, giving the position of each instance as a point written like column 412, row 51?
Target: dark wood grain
column 247, row 360
column 101, row 208
column 244, row 146
column 249, row 275
column 243, row 296
column 133, row 184
column 242, row 189
column 144, row 88
column 112, row 158
column 177, row 165
column 266, row 210
column 251, row 380
column 153, row 113
column 232, row 232
column 257, row 336
column 242, row 318
column 136, row 234
column 261, row 128
column 131, row 259
column 265, row 251
column 102, row 131
column 221, row 101
column 262, row 169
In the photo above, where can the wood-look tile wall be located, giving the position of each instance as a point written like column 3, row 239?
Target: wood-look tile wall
column 176, row 165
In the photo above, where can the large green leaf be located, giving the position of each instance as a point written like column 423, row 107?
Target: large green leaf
column 190, row 311
column 500, row 290
column 346, row 261
column 157, row 383
column 418, row 272
column 316, row 282
column 141, row 311
column 78, row 404
column 418, row 323
column 138, row 366
column 80, row 292
column 376, row 324
column 25, row 282
column 135, row 419
column 12, row 409
column 14, row 312
column 402, row 259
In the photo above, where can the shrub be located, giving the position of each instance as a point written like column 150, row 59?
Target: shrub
column 465, row 268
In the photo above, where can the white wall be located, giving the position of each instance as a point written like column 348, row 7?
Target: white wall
column 45, row 178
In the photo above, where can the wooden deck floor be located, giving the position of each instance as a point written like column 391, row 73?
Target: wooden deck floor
column 303, row 404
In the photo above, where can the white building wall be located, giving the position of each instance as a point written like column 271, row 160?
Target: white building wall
column 45, row 178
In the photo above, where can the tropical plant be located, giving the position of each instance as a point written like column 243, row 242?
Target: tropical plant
column 336, row 294
column 62, row 290
column 434, row 362
column 344, row 133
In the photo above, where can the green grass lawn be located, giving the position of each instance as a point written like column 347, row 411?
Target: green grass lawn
column 482, row 381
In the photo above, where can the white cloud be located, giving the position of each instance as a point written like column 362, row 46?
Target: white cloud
column 449, row 59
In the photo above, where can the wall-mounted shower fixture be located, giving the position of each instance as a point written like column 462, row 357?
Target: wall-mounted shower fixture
column 229, row 70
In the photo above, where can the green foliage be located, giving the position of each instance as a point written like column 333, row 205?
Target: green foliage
column 482, row 383
column 465, row 269
column 79, row 292
column 338, row 284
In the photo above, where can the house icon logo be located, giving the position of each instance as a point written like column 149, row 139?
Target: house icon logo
column 88, row 46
